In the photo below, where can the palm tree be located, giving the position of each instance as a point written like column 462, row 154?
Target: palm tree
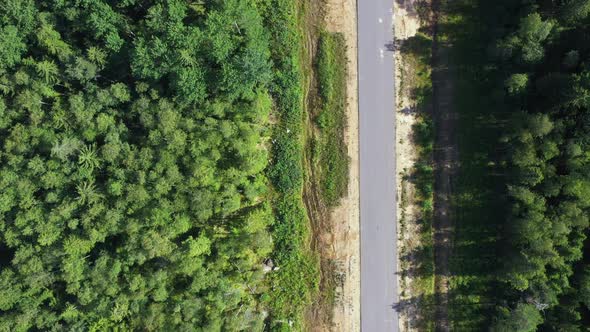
column 48, row 70
column 88, row 158
column 87, row 193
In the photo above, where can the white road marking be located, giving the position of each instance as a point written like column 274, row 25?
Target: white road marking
column 380, row 20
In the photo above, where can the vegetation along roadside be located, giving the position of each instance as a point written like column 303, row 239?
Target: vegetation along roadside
column 415, row 142
column 330, row 153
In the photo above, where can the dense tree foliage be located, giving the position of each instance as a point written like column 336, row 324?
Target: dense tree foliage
column 549, row 169
column 537, row 58
column 133, row 147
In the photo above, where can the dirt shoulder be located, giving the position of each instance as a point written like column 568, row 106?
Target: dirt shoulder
column 340, row 16
column 335, row 230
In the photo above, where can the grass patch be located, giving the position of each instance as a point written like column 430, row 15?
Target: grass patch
column 330, row 149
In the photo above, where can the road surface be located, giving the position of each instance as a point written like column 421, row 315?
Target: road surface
column 377, row 167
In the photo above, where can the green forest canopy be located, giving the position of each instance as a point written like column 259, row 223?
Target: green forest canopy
column 134, row 143
column 530, row 60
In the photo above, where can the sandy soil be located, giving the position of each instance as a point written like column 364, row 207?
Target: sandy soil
column 340, row 16
column 406, row 24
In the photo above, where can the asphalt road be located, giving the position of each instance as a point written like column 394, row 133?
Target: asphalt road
column 377, row 167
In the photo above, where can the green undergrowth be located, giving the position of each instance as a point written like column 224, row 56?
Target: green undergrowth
column 297, row 280
column 330, row 150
